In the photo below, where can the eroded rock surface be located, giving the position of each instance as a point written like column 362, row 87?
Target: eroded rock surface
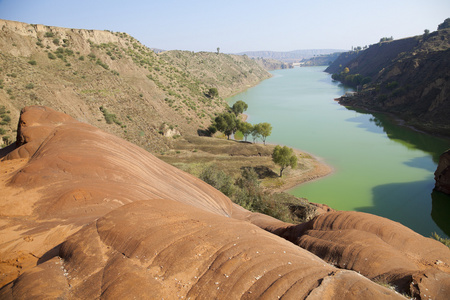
column 442, row 174
column 86, row 215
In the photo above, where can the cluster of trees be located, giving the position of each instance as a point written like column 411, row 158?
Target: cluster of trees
column 353, row 80
column 229, row 123
column 386, row 39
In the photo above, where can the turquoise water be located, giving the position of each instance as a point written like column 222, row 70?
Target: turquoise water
column 380, row 167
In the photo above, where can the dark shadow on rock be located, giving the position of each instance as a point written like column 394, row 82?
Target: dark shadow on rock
column 49, row 254
column 7, row 149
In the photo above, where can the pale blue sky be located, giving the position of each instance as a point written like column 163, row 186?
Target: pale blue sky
column 235, row 26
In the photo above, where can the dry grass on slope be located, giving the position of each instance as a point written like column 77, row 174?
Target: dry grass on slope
column 78, row 71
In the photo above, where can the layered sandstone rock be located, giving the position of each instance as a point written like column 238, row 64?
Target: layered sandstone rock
column 87, row 215
column 442, row 174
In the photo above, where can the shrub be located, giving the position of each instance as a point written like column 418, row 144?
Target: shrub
column 218, row 179
column 49, row 34
column 444, row 241
column 81, row 57
column 392, row 85
column 51, row 56
column 56, row 42
column 213, row 93
column 32, row 62
column 110, row 118
column 29, row 86
column 102, row 64
column 5, row 120
column 2, row 131
column 6, row 139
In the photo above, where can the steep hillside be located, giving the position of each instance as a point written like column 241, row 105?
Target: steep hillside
column 321, row 60
column 290, row 56
column 112, row 81
column 408, row 77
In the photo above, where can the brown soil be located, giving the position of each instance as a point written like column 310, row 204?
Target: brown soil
column 109, row 220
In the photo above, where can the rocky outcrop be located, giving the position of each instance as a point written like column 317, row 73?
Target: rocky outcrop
column 409, row 78
column 442, row 174
column 86, row 215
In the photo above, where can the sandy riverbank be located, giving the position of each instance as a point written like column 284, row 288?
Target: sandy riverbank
column 309, row 168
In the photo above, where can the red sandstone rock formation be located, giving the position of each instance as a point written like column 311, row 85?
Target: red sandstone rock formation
column 442, row 174
column 86, row 215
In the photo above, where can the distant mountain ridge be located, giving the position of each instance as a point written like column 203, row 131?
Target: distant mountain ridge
column 290, row 56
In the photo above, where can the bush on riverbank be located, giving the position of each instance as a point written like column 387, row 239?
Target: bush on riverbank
column 245, row 191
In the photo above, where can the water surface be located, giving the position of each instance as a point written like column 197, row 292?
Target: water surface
column 380, row 167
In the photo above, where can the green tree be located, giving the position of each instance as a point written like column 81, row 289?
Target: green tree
column 213, row 92
column 227, row 123
column 246, row 129
column 265, row 129
column 284, row 157
column 255, row 132
column 239, row 107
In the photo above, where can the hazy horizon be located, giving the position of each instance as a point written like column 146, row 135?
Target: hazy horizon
column 239, row 26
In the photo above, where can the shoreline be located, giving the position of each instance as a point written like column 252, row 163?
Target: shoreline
column 395, row 119
column 317, row 170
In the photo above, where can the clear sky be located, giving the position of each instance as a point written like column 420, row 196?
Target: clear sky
column 236, row 26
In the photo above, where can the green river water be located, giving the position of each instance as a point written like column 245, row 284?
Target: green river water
column 380, row 167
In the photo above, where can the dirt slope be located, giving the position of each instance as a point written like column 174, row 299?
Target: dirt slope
column 409, row 78
column 87, row 215
column 79, row 71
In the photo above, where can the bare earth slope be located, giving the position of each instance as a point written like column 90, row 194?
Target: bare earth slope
column 87, row 215
column 78, row 71
column 409, row 78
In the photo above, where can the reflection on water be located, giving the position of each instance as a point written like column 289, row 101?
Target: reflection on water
column 381, row 167
column 412, row 207
column 441, row 210
column 406, row 136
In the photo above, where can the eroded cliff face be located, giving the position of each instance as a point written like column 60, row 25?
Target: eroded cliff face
column 442, row 174
column 86, row 215
column 409, row 78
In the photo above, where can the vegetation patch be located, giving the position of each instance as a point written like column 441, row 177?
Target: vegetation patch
column 109, row 117
column 444, row 241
